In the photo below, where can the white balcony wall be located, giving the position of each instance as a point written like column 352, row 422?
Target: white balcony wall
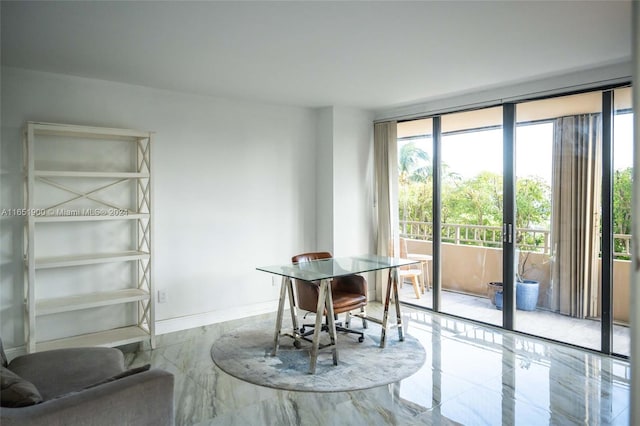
column 235, row 187
column 468, row 269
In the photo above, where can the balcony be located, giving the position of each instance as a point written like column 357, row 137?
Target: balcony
column 472, row 258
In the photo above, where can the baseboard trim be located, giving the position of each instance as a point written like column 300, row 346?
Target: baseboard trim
column 171, row 325
column 11, row 353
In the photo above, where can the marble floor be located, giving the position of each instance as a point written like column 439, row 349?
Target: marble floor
column 473, row 375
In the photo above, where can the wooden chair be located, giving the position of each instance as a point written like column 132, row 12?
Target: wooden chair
column 410, row 272
column 424, row 259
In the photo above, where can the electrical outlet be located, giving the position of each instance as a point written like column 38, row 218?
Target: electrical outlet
column 162, row 296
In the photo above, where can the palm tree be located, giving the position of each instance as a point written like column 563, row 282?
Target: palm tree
column 414, row 164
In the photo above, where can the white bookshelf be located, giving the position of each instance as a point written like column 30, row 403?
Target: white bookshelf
column 89, row 259
column 78, row 177
column 91, row 300
column 109, row 338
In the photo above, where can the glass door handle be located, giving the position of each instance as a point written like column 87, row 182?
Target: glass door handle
column 507, row 233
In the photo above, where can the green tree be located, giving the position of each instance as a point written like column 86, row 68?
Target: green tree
column 533, row 202
column 533, row 209
column 476, row 201
column 622, row 190
column 416, row 200
column 414, row 164
column 415, row 174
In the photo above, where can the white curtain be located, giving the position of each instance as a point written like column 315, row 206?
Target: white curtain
column 577, row 177
column 386, row 201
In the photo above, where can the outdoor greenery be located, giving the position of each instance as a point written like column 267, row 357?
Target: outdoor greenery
column 478, row 200
column 622, row 187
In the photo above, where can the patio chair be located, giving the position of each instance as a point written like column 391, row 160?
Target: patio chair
column 410, row 272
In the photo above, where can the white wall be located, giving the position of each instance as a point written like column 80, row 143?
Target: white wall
column 353, row 182
column 345, row 181
column 234, row 189
column 324, row 181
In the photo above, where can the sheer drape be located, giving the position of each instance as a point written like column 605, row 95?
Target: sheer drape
column 386, row 171
column 577, row 177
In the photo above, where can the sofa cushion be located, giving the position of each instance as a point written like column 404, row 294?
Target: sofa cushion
column 16, row 391
column 62, row 371
column 3, row 356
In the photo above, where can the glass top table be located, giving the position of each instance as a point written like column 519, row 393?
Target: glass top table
column 321, row 272
column 323, row 269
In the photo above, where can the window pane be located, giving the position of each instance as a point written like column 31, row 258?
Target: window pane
column 471, row 231
column 415, row 202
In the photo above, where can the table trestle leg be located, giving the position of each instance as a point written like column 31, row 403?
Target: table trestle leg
column 283, row 293
column 385, row 314
column 397, row 302
column 331, row 319
column 318, row 327
column 294, row 314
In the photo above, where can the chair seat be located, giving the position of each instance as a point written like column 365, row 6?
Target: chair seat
column 405, row 272
column 414, row 276
column 343, row 301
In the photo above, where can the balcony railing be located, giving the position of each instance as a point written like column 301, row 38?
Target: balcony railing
column 534, row 240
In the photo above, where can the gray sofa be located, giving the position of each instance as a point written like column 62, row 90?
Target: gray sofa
column 83, row 386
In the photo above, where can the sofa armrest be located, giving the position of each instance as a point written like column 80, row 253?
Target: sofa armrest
column 141, row 399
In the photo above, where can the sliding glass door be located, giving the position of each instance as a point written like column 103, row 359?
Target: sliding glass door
column 562, row 266
column 558, row 207
column 622, row 181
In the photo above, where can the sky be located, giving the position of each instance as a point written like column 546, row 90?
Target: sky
column 473, row 152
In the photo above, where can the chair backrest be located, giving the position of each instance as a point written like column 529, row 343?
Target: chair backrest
column 404, row 255
column 308, row 291
column 307, row 257
column 403, row 247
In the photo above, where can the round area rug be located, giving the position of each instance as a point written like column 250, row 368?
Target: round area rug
column 246, row 354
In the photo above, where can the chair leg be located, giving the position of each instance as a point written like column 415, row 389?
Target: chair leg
column 348, row 330
column 325, row 327
column 364, row 317
column 416, row 286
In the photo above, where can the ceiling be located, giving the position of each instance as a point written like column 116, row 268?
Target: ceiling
column 345, row 53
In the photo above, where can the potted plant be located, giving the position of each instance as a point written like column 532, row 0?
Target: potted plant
column 493, row 288
column 526, row 290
